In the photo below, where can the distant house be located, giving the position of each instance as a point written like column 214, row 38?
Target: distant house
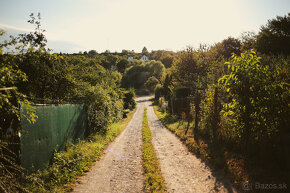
column 130, row 58
column 144, row 58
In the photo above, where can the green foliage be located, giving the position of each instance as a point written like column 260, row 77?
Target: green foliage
column 145, row 51
column 110, row 61
column 182, row 92
column 129, row 102
column 274, row 37
column 210, row 113
column 155, row 68
column 248, row 40
column 258, row 105
column 167, row 60
column 158, row 91
column 167, row 87
column 229, row 46
column 187, row 70
column 154, row 181
column 33, row 40
column 136, row 75
column 122, row 65
column 92, row 53
column 151, row 83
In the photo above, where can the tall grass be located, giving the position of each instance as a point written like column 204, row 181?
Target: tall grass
column 154, row 181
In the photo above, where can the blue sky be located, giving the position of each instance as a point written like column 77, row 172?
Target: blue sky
column 79, row 25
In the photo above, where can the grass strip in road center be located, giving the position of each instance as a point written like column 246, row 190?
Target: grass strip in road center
column 154, row 181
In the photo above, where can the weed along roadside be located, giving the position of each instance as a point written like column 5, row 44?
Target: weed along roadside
column 154, row 181
column 68, row 165
column 211, row 156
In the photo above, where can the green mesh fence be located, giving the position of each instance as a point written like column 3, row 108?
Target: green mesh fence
column 55, row 126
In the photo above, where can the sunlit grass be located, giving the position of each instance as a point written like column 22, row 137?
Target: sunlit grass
column 154, row 181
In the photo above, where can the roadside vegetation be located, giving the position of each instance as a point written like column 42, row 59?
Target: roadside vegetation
column 229, row 103
column 154, row 181
column 73, row 162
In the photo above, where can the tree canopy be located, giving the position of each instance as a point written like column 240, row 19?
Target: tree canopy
column 274, row 37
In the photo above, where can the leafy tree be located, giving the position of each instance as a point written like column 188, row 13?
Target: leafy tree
column 258, row 103
column 156, row 54
column 167, row 87
column 129, row 102
column 125, row 52
column 248, row 40
column 155, row 68
column 158, row 91
column 151, row 83
column 136, row 75
column 110, row 61
column 34, row 39
column 228, row 46
column 167, row 60
column 145, row 51
column 186, row 70
column 92, row 53
column 274, row 37
column 122, row 65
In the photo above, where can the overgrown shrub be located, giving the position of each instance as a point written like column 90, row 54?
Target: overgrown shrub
column 129, row 102
column 210, row 113
column 259, row 106
column 158, row 91
column 182, row 92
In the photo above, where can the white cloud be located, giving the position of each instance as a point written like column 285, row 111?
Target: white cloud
column 9, row 27
column 55, row 45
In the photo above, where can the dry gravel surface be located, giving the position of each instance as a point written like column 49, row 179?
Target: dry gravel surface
column 120, row 168
column 182, row 171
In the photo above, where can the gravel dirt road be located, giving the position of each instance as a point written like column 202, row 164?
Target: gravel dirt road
column 120, row 168
column 182, row 171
